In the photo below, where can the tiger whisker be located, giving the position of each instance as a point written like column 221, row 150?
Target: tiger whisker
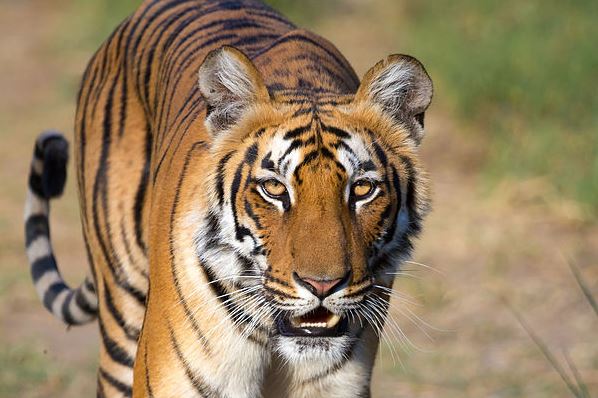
column 393, row 325
column 426, row 266
column 398, row 295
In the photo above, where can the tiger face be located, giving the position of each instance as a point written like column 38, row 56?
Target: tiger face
column 311, row 200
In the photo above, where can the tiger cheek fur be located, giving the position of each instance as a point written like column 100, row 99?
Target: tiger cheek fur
column 245, row 201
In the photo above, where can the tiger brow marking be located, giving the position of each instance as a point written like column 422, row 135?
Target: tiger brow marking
column 297, row 131
column 240, row 230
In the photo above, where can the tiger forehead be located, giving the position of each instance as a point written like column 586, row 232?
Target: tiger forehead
column 316, row 141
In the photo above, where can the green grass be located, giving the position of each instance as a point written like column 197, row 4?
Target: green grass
column 522, row 75
column 28, row 371
column 23, row 366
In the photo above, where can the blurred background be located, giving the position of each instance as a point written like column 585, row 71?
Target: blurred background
column 511, row 146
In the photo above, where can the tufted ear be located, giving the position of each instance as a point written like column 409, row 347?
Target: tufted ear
column 401, row 87
column 230, row 83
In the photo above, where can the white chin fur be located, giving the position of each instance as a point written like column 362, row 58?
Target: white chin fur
column 312, row 351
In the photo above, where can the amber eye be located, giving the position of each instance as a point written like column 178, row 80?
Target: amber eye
column 362, row 189
column 274, row 188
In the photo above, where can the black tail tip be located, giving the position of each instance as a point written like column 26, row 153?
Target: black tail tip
column 52, row 149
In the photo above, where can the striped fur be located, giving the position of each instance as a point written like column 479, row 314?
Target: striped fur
column 184, row 114
column 46, row 180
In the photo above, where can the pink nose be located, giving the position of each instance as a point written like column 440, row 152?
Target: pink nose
column 319, row 287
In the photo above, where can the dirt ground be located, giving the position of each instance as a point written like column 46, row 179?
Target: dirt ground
column 481, row 246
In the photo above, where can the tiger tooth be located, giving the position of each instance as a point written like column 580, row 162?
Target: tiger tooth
column 334, row 319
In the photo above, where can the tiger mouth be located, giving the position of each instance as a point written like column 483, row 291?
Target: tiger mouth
column 317, row 323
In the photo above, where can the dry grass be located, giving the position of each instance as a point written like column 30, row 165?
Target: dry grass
column 509, row 243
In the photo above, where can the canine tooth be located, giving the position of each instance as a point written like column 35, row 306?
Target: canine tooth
column 333, row 321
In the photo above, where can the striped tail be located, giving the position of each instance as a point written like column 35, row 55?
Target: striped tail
column 46, row 180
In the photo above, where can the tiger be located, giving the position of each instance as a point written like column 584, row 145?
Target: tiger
column 245, row 203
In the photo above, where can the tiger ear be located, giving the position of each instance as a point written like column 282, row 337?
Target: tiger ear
column 230, row 83
column 402, row 88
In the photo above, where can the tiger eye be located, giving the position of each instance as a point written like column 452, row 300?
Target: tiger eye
column 274, row 188
column 362, row 189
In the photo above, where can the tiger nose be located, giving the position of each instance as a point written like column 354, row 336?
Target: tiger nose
column 319, row 286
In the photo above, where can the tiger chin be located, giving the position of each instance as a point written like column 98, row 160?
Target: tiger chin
column 246, row 202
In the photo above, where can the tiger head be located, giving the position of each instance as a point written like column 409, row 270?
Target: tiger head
column 312, row 199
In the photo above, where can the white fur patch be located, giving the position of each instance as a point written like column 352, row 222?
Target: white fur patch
column 35, row 205
column 391, row 86
column 39, row 248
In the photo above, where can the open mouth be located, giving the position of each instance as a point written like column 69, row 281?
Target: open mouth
column 317, row 323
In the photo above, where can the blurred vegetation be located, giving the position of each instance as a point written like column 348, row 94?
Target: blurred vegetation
column 28, row 372
column 521, row 74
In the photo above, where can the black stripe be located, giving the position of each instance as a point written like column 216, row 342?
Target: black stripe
column 148, row 386
column 267, row 162
column 213, row 230
column 130, row 332
column 279, row 293
column 89, row 284
column 396, row 183
column 52, row 292
column 127, row 246
column 241, row 231
column 380, row 154
column 123, row 388
column 296, row 132
column 36, row 185
column 252, row 215
column 36, row 226
column 66, row 313
column 310, row 157
column 368, row 165
column 415, row 217
column 115, row 351
column 83, row 304
column 100, row 388
column 342, row 134
column 294, row 145
column 137, row 294
column 251, row 154
column 141, row 189
column 220, row 177
column 43, row 265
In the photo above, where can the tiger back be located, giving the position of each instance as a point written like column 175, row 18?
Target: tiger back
column 245, row 203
